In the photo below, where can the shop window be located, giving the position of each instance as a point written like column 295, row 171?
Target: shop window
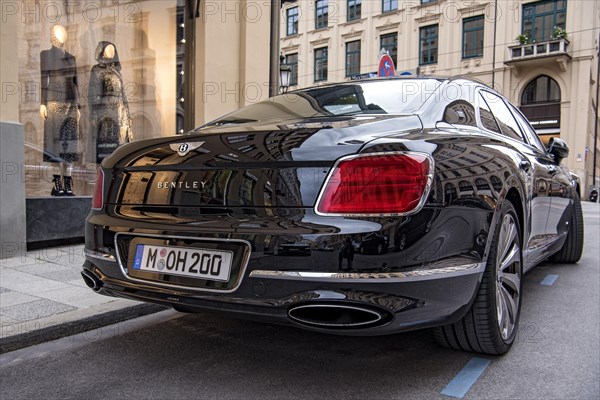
column 540, row 102
column 90, row 82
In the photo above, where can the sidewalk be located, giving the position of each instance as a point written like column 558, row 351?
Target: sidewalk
column 43, row 297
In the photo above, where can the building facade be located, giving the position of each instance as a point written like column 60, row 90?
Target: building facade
column 541, row 55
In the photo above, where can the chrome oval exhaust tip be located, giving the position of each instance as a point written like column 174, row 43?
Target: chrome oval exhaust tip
column 91, row 280
column 336, row 316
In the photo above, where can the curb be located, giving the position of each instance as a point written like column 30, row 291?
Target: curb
column 69, row 328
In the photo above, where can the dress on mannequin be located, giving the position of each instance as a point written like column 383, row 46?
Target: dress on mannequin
column 60, row 110
column 109, row 112
column 60, row 96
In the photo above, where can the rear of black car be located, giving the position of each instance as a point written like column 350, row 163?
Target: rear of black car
column 261, row 220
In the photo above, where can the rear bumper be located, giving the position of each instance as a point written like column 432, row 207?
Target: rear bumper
column 434, row 295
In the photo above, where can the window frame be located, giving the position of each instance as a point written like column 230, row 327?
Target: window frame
column 423, row 38
column 498, row 123
column 528, row 130
column 294, row 68
column 294, row 24
column 555, row 11
column 387, row 35
column 323, row 7
column 315, row 59
column 472, row 32
column 390, row 6
column 353, row 52
column 356, row 5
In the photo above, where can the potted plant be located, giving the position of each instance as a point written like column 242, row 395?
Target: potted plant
column 523, row 38
column 559, row 33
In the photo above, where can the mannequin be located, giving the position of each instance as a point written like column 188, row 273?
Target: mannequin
column 60, row 110
column 109, row 112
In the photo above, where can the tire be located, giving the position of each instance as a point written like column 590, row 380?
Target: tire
column 490, row 326
column 571, row 251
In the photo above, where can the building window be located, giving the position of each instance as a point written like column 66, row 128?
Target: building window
column 353, row 9
column 541, row 18
column 390, row 43
column 292, row 21
column 427, row 1
column 321, row 64
column 321, row 13
column 292, row 61
column 541, row 90
column 428, row 45
column 353, row 58
column 389, row 5
column 473, row 37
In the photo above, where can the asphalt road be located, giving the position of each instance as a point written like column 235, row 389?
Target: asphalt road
column 171, row 355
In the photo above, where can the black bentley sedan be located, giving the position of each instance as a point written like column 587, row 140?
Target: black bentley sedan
column 258, row 213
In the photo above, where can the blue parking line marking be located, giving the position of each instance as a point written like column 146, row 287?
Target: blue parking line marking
column 549, row 280
column 467, row 376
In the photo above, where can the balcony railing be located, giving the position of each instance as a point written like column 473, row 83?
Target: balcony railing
column 555, row 47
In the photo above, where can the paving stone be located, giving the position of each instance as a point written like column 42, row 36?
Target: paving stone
column 35, row 309
column 7, row 321
column 62, row 275
column 76, row 296
column 41, row 269
column 78, row 282
column 28, row 283
column 17, row 262
column 13, row 298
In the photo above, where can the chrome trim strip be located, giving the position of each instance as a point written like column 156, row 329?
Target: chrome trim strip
column 98, row 255
column 180, row 287
column 419, row 206
column 378, row 277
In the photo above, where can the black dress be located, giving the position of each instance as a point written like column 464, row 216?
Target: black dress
column 109, row 112
column 60, row 95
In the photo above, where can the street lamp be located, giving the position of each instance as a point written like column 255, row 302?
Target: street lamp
column 285, row 73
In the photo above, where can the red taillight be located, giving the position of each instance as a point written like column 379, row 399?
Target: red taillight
column 376, row 184
column 98, row 198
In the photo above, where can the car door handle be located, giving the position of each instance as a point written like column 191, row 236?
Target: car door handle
column 525, row 165
column 552, row 169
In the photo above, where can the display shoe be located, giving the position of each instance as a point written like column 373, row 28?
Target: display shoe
column 68, row 182
column 57, row 189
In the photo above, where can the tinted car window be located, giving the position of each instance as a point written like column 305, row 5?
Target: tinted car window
column 508, row 124
column 486, row 116
column 376, row 97
column 532, row 137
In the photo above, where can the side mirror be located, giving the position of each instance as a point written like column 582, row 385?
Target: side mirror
column 559, row 149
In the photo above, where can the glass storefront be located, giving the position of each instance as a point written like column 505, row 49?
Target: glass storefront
column 95, row 75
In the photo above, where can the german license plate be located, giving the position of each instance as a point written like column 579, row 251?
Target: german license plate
column 207, row 264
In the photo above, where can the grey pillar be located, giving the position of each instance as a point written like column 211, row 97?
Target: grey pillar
column 12, row 190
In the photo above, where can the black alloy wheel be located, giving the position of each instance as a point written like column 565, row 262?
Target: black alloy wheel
column 490, row 326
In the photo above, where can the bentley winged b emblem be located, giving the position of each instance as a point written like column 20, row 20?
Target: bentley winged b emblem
column 183, row 148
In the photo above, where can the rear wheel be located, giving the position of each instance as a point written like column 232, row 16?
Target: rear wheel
column 490, row 326
column 571, row 251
